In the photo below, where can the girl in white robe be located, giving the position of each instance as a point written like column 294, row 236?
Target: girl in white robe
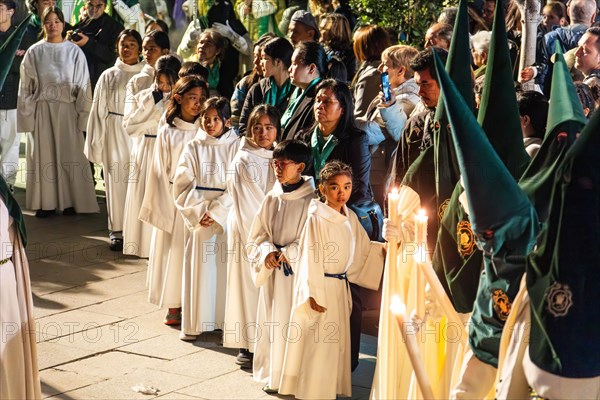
column 333, row 250
column 19, row 378
column 106, row 142
column 249, row 181
column 54, row 102
column 165, row 267
column 275, row 236
column 154, row 45
column 141, row 120
column 200, row 194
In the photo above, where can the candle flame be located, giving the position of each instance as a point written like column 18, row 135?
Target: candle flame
column 422, row 213
column 397, row 306
column 394, row 192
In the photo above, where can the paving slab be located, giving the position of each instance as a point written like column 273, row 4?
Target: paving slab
column 130, row 306
column 113, row 364
column 233, row 385
column 121, row 387
column 55, row 381
column 166, row 347
column 204, row 365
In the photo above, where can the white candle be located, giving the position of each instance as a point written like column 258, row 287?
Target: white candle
column 420, row 258
column 408, row 336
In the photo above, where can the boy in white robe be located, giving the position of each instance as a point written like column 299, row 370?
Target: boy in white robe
column 249, row 181
column 274, row 241
column 141, row 120
column 106, row 141
column 154, row 45
column 334, row 249
column 199, row 189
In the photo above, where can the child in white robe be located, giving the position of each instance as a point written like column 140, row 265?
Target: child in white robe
column 165, row 267
column 141, row 121
column 199, row 188
column 249, row 181
column 154, row 45
column 333, row 250
column 274, row 243
column 107, row 142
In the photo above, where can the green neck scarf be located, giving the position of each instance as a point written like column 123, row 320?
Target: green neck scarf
column 35, row 21
column 13, row 209
column 295, row 101
column 275, row 95
column 213, row 74
column 321, row 149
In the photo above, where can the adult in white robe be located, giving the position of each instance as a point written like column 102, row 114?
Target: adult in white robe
column 54, row 102
column 165, row 267
column 317, row 359
column 249, row 181
column 19, row 378
column 276, row 227
column 107, row 143
column 199, row 188
column 141, row 120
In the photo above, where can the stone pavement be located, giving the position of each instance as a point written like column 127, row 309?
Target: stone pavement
column 98, row 336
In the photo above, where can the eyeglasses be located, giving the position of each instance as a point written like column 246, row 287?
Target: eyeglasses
column 281, row 164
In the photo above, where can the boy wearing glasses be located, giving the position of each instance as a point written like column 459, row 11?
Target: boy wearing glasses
column 272, row 250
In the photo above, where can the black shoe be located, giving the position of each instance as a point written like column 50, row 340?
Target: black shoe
column 44, row 213
column 69, row 211
column 116, row 244
column 244, row 359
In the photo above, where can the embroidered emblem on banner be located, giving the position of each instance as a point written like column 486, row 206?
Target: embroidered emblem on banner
column 464, row 238
column 442, row 209
column 502, row 304
column 559, row 299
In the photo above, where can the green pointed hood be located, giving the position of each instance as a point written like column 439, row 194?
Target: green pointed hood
column 565, row 121
column 499, row 112
column 494, row 197
column 563, row 270
column 458, row 66
column 564, row 102
column 10, row 47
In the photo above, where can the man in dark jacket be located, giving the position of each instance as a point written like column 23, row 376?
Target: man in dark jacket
column 97, row 35
column 9, row 138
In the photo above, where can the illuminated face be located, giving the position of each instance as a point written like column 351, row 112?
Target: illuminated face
column 336, row 190
column 396, row 74
column 488, row 12
column 191, row 103
column 300, row 74
column 5, row 14
column 327, row 107
column 549, row 19
column 151, row 51
column 269, row 66
column 429, row 90
column 587, row 55
column 95, row 8
column 264, row 132
column 257, row 60
column 53, row 27
column 299, row 32
column 212, row 123
column 207, row 50
column 287, row 171
column 129, row 50
column 163, row 83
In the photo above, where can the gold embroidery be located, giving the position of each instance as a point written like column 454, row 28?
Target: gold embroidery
column 502, row 304
column 464, row 238
column 442, row 209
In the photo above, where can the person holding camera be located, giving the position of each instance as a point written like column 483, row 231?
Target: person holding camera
column 96, row 35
